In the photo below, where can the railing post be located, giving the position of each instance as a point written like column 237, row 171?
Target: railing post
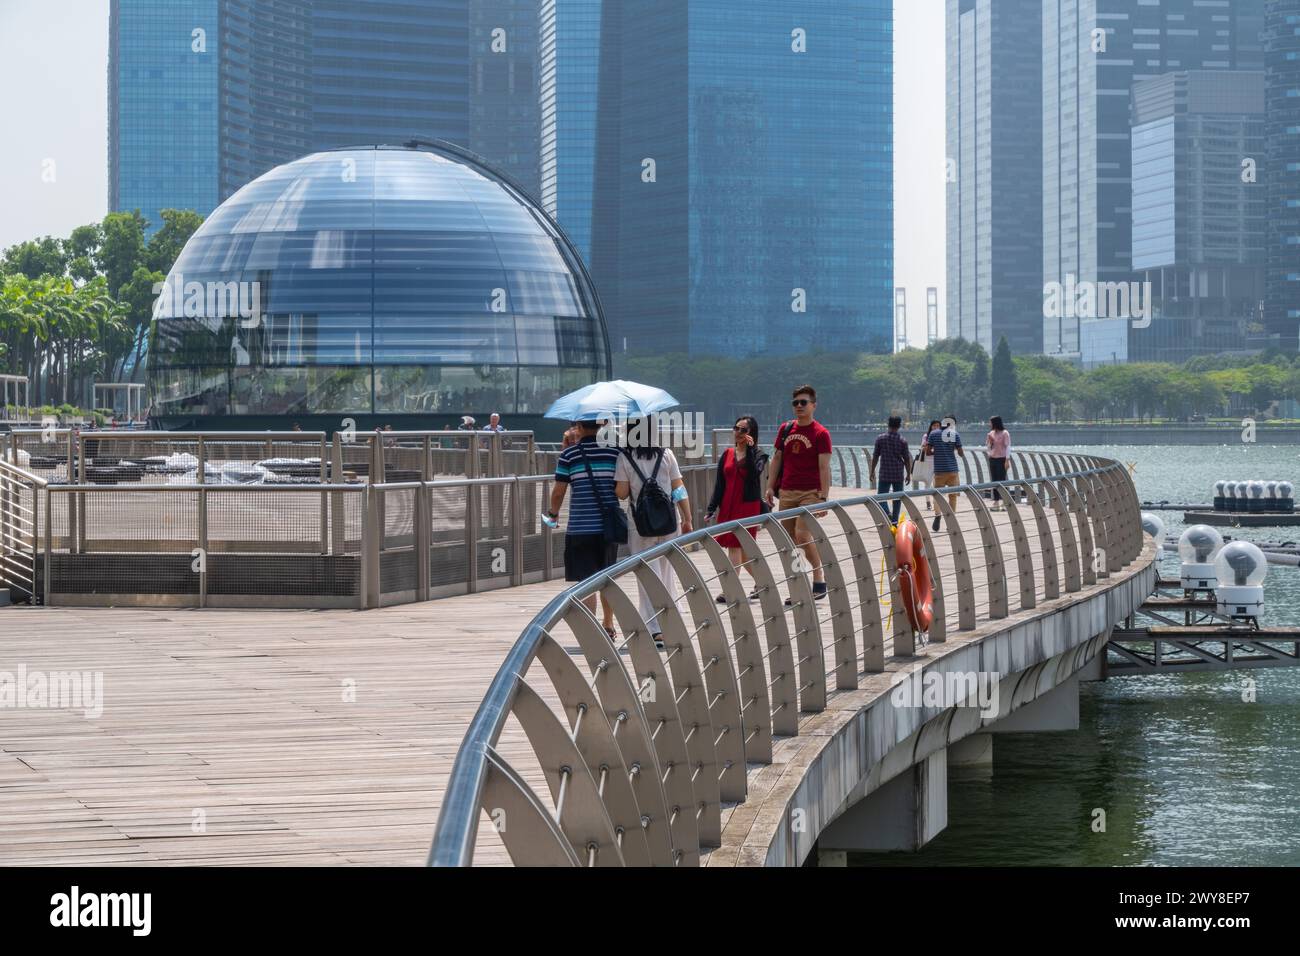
column 423, row 538
column 203, row 544
column 76, row 475
column 516, row 533
column 373, row 546
column 49, row 545
column 548, row 542
column 338, row 500
column 324, row 500
column 472, row 510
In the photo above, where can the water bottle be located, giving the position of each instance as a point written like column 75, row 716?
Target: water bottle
column 550, row 522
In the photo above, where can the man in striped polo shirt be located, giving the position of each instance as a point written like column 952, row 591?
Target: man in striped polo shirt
column 585, row 550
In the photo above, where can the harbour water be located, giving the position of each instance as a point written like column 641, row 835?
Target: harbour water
column 1185, row 770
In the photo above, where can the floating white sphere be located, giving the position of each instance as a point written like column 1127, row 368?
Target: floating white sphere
column 1285, row 489
column 1154, row 526
column 1270, row 489
column 1255, row 489
column 1230, row 489
column 1196, row 550
column 1240, row 568
column 1218, row 488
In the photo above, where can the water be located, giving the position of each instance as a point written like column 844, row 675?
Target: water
column 1186, row 772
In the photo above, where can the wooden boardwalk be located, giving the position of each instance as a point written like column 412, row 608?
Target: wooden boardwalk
column 258, row 737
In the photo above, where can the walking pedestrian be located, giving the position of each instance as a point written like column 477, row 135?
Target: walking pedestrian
column 738, row 490
column 895, row 460
column 923, row 467
column 588, row 466
column 644, row 473
column 945, row 446
column 998, row 443
column 801, row 476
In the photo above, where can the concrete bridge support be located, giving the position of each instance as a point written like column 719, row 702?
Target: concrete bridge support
column 905, row 813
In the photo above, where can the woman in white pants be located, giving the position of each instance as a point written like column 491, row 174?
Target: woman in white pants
column 661, row 464
column 923, row 467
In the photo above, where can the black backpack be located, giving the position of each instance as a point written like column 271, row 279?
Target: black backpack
column 653, row 513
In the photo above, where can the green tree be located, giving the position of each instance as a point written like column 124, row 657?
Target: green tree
column 1004, row 390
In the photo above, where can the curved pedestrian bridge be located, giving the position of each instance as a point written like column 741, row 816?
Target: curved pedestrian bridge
column 279, row 736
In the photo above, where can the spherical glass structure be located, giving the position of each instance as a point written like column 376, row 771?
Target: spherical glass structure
column 1199, row 544
column 1240, row 564
column 385, row 281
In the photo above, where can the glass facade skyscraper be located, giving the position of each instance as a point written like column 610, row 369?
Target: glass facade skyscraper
column 164, row 130
column 1282, row 296
column 504, row 105
column 205, row 95
column 995, row 172
column 569, row 54
column 747, row 151
column 1198, row 216
column 1093, row 53
column 385, row 71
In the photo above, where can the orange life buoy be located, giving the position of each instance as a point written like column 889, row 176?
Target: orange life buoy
column 914, row 575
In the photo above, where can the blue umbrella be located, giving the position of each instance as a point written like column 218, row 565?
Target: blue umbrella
column 618, row 399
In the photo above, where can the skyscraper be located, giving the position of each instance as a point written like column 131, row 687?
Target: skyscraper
column 1282, row 96
column 1198, row 212
column 205, row 95
column 569, row 57
column 995, row 172
column 748, row 152
column 504, row 104
column 1093, row 52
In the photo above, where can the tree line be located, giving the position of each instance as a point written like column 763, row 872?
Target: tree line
column 76, row 310
column 958, row 378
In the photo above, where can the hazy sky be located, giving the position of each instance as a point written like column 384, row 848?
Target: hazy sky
column 54, row 157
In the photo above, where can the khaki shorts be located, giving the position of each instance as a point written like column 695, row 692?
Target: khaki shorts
column 797, row 499
column 946, row 479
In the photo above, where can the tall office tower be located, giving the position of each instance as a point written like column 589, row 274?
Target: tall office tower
column 164, row 130
column 995, row 172
column 1199, row 206
column 1282, row 99
column 504, row 115
column 1093, row 53
column 569, row 86
column 386, row 71
column 265, row 109
column 205, row 95
column 749, row 156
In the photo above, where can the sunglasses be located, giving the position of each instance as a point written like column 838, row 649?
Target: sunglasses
column 801, row 401
column 740, row 428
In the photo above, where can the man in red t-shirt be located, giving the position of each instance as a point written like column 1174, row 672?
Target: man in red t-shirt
column 801, row 475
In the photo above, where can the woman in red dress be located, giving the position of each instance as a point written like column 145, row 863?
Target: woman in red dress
column 738, row 490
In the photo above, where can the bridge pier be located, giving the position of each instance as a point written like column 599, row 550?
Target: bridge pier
column 905, row 813
column 1058, row 709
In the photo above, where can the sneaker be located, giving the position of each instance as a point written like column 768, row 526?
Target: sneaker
column 755, row 594
column 721, row 599
column 819, row 590
column 934, row 525
column 659, row 641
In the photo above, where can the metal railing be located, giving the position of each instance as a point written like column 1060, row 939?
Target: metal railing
column 352, row 544
column 640, row 749
column 20, row 516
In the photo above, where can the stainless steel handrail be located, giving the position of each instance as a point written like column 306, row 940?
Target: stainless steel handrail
column 456, row 832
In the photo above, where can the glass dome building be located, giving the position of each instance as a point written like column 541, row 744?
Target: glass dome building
column 403, row 285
